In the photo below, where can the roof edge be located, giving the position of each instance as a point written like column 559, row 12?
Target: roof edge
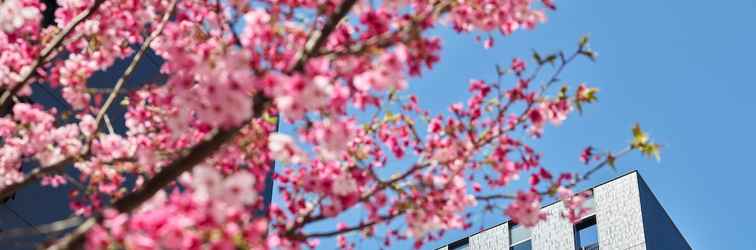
column 633, row 171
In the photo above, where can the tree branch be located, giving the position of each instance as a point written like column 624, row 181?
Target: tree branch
column 57, row 40
column 318, row 38
column 37, row 174
column 352, row 228
column 42, row 229
column 60, row 166
column 494, row 197
column 132, row 66
column 610, row 158
column 200, row 152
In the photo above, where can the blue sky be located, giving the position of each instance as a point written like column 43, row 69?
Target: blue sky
column 683, row 69
column 680, row 68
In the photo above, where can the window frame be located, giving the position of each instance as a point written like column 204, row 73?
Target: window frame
column 460, row 244
column 529, row 237
column 586, row 222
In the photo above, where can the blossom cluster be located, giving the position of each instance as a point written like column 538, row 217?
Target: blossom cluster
column 214, row 206
column 334, row 71
column 30, row 133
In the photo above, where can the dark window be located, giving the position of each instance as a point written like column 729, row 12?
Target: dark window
column 586, row 234
column 462, row 244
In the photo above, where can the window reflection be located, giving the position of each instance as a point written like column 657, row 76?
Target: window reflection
column 586, row 234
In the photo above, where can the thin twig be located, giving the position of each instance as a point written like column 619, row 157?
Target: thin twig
column 109, row 125
column 611, row 157
column 200, row 152
column 352, row 228
column 42, row 229
column 36, row 174
column 494, row 197
column 132, row 66
column 57, row 167
column 318, row 38
column 75, row 237
column 57, row 40
column 75, row 182
column 33, row 228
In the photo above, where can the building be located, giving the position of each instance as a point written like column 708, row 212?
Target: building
column 33, row 206
column 625, row 214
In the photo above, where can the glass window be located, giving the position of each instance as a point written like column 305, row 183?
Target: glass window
column 518, row 234
column 462, row 244
column 586, row 234
column 519, row 237
column 590, row 203
column 462, row 247
column 525, row 245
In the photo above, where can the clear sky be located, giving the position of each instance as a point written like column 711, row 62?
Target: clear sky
column 683, row 69
column 680, row 68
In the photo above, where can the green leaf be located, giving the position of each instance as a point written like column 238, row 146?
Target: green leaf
column 611, row 160
column 493, row 101
column 639, row 137
column 125, row 101
column 389, row 117
column 537, row 57
column 550, row 58
column 651, row 149
column 552, row 191
column 563, row 91
column 408, row 120
column 579, row 106
column 392, row 94
column 589, row 95
column 583, row 41
column 270, row 119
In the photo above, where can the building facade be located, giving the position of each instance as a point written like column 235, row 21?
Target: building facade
column 625, row 214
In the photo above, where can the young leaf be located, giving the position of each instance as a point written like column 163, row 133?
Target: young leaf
column 583, row 41
column 651, row 149
column 639, row 137
column 537, row 57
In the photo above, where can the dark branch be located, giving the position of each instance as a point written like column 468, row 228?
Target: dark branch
column 57, row 40
column 34, row 176
column 318, row 38
column 202, row 151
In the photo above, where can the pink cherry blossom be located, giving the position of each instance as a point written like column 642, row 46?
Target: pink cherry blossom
column 207, row 183
column 15, row 13
column 111, row 147
column 353, row 136
column 87, row 125
column 282, row 148
column 387, row 74
column 586, row 155
column 574, row 210
column 526, row 209
column 518, row 65
column 332, row 137
column 239, row 189
column 53, row 181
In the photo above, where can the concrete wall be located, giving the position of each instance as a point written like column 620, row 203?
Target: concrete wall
column 618, row 214
column 556, row 232
column 496, row 238
column 628, row 217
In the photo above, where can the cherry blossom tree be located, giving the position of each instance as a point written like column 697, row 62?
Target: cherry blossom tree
column 190, row 169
